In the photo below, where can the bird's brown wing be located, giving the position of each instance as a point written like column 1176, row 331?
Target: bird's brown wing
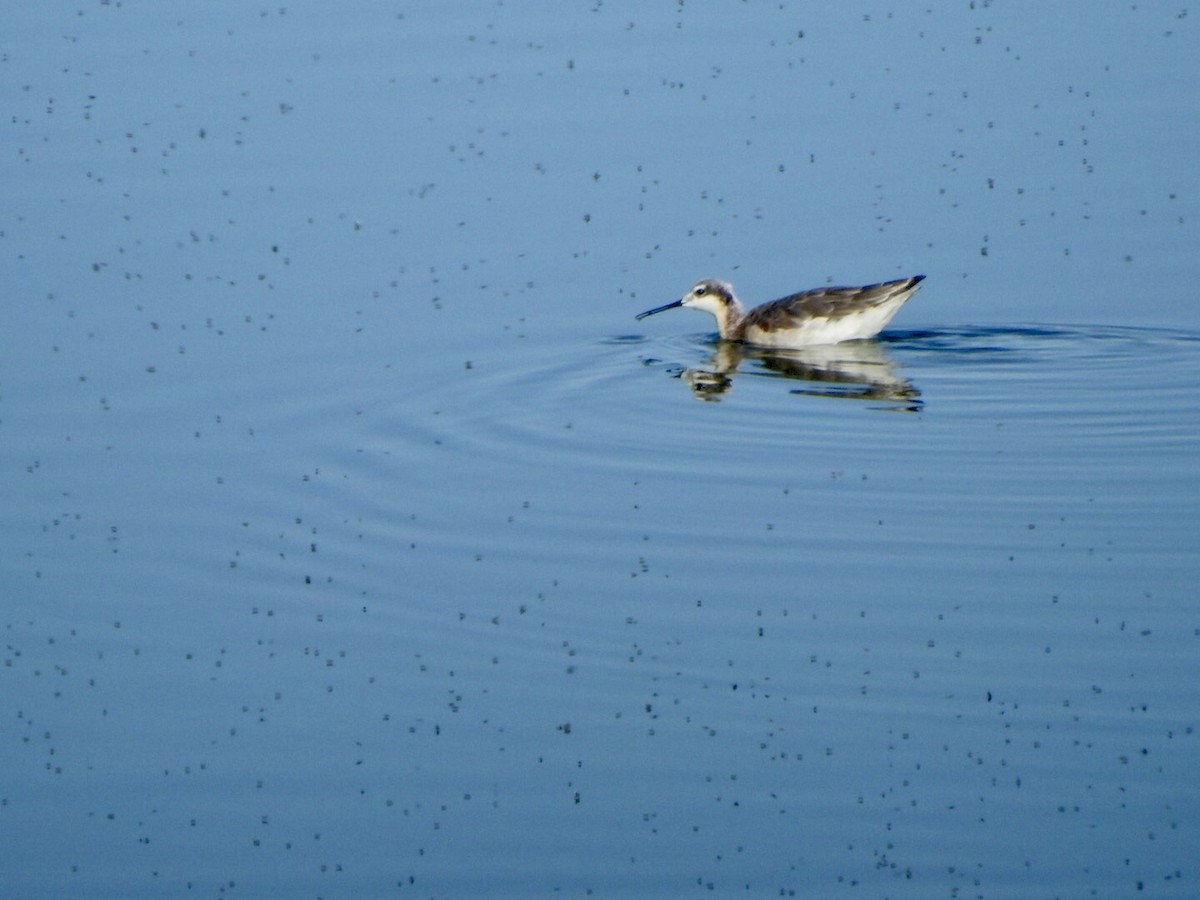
column 825, row 303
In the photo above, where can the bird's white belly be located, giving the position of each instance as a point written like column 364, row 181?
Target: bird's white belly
column 820, row 330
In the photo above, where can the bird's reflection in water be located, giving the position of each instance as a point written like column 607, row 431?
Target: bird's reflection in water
column 853, row 370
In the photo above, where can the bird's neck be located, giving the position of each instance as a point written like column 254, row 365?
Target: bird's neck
column 729, row 318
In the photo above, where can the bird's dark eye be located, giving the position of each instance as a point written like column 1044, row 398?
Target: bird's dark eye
column 700, row 290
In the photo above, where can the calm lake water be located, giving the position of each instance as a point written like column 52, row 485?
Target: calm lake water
column 356, row 541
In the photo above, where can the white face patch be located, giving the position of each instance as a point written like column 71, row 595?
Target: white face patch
column 708, row 297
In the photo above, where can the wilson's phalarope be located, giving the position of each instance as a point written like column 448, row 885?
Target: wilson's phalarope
column 820, row 316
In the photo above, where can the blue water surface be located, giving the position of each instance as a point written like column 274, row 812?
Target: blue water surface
column 356, row 541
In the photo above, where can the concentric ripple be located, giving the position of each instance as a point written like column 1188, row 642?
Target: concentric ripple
column 630, row 402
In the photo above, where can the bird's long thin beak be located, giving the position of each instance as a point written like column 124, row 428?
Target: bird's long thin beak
column 659, row 309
